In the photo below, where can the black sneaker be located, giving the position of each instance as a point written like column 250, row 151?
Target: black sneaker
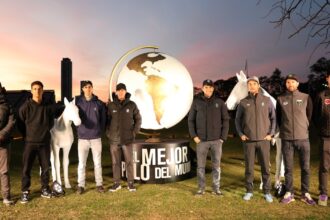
column 115, row 187
column 80, row 190
column 131, row 187
column 217, row 192
column 200, row 192
column 25, row 197
column 100, row 189
column 46, row 193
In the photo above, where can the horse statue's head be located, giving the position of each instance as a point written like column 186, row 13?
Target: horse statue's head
column 71, row 112
column 239, row 92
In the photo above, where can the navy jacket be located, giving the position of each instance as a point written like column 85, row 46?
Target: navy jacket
column 93, row 117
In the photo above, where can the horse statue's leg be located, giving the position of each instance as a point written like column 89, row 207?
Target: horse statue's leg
column 66, row 162
column 52, row 162
column 279, row 162
column 57, row 164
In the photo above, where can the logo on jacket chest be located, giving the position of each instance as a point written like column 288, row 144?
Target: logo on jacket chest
column 299, row 102
column 216, row 105
column 327, row 101
column 285, row 103
column 127, row 110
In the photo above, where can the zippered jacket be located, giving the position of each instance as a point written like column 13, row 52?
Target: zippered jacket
column 124, row 120
column 208, row 118
column 255, row 117
column 7, row 121
column 294, row 113
column 321, row 112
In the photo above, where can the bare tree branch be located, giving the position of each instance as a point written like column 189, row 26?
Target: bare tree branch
column 310, row 16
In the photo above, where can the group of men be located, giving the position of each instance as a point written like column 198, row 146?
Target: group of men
column 122, row 122
column 256, row 121
column 208, row 121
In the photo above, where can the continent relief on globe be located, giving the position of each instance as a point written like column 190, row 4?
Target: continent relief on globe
column 157, row 87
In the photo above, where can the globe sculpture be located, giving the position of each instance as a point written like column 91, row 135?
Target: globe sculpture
column 160, row 86
column 163, row 91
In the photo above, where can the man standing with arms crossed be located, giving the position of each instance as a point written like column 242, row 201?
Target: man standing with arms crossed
column 92, row 112
column 208, row 123
column 294, row 114
column 255, row 123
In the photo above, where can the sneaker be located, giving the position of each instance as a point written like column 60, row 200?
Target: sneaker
column 288, row 197
column 115, row 187
column 323, row 200
column 100, row 189
column 217, row 192
column 80, row 190
column 268, row 197
column 8, row 202
column 247, row 196
column 308, row 199
column 200, row 192
column 25, row 197
column 46, row 193
column 131, row 187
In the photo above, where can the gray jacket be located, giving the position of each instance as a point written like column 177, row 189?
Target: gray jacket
column 7, row 121
column 255, row 117
column 294, row 113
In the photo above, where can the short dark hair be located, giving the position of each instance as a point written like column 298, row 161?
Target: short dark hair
column 37, row 83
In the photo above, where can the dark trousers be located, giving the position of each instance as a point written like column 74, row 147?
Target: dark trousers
column 262, row 149
column 29, row 155
column 4, row 172
column 324, row 165
column 303, row 149
column 116, row 151
column 216, row 151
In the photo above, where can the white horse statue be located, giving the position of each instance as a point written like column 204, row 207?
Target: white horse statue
column 239, row 92
column 62, row 137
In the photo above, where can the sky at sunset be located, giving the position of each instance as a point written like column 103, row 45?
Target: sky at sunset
column 212, row 38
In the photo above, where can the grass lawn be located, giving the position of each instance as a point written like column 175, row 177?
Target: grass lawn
column 164, row 201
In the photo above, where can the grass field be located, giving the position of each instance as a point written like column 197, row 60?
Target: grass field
column 164, row 201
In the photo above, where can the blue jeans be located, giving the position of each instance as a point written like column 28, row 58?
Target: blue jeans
column 216, row 151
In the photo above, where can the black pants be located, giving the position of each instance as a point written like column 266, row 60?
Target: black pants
column 116, row 152
column 303, row 149
column 29, row 155
column 324, row 165
column 262, row 148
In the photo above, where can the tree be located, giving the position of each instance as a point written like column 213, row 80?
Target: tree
column 316, row 80
column 311, row 16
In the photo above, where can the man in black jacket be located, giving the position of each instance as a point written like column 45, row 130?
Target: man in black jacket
column 255, row 123
column 208, row 123
column 38, row 119
column 124, row 122
column 322, row 118
column 7, row 122
column 294, row 113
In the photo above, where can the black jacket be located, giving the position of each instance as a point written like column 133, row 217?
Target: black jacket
column 255, row 117
column 38, row 119
column 294, row 114
column 7, row 121
column 321, row 112
column 208, row 118
column 124, row 120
